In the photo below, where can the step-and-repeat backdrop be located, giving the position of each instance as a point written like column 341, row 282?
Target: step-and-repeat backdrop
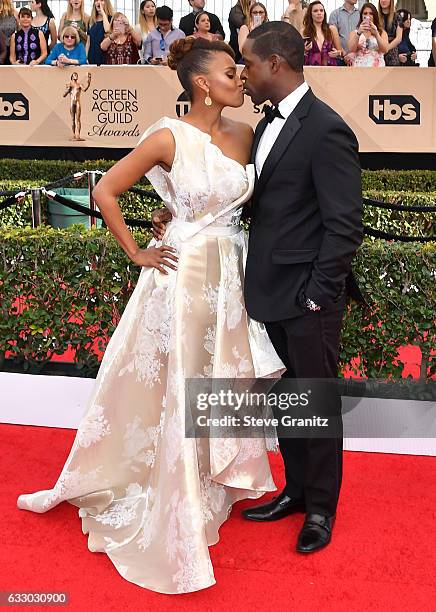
column 389, row 109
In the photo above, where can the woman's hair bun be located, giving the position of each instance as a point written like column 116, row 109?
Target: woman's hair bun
column 178, row 50
column 200, row 52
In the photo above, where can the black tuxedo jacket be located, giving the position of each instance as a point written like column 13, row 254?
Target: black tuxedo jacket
column 187, row 24
column 306, row 214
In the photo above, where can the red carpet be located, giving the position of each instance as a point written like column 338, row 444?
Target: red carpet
column 382, row 556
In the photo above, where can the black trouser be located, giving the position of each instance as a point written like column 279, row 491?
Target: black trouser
column 308, row 346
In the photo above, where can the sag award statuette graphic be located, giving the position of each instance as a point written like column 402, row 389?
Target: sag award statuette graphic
column 75, row 89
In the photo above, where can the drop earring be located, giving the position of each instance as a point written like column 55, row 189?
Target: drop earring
column 208, row 99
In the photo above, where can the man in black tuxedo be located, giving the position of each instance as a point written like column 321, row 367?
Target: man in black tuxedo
column 306, row 224
column 187, row 23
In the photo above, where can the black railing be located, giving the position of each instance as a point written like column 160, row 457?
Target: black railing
column 14, row 197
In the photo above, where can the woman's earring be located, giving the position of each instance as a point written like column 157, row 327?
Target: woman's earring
column 208, row 99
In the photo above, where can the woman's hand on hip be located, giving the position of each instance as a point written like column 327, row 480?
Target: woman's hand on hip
column 156, row 257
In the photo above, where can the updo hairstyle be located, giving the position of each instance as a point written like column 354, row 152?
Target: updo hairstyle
column 192, row 55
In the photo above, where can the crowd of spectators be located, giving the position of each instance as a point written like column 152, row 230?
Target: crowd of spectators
column 372, row 36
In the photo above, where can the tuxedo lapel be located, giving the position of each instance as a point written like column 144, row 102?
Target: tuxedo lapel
column 284, row 139
column 260, row 128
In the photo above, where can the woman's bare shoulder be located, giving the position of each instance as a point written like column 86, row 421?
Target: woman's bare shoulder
column 238, row 129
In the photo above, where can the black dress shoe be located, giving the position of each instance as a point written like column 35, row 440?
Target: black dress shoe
column 277, row 508
column 316, row 533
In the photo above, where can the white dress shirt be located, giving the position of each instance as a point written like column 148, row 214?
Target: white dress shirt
column 273, row 129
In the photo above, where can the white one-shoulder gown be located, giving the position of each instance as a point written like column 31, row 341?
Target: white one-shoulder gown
column 148, row 497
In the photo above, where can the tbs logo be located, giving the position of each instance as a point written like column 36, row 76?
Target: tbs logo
column 14, row 106
column 183, row 104
column 390, row 110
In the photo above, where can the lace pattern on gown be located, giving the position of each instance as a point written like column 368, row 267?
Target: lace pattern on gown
column 150, row 498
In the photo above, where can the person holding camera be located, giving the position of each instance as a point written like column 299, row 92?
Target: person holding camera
column 369, row 42
column 406, row 50
column 257, row 15
column 121, row 43
column 158, row 42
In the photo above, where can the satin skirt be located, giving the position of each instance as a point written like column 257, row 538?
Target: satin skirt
column 149, row 497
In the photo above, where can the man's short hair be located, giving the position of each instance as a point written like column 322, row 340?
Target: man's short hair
column 279, row 38
column 165, row 13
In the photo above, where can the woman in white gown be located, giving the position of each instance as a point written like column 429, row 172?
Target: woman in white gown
column 150, row 498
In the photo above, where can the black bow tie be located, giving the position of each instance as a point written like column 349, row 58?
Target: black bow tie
column 271, row 113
